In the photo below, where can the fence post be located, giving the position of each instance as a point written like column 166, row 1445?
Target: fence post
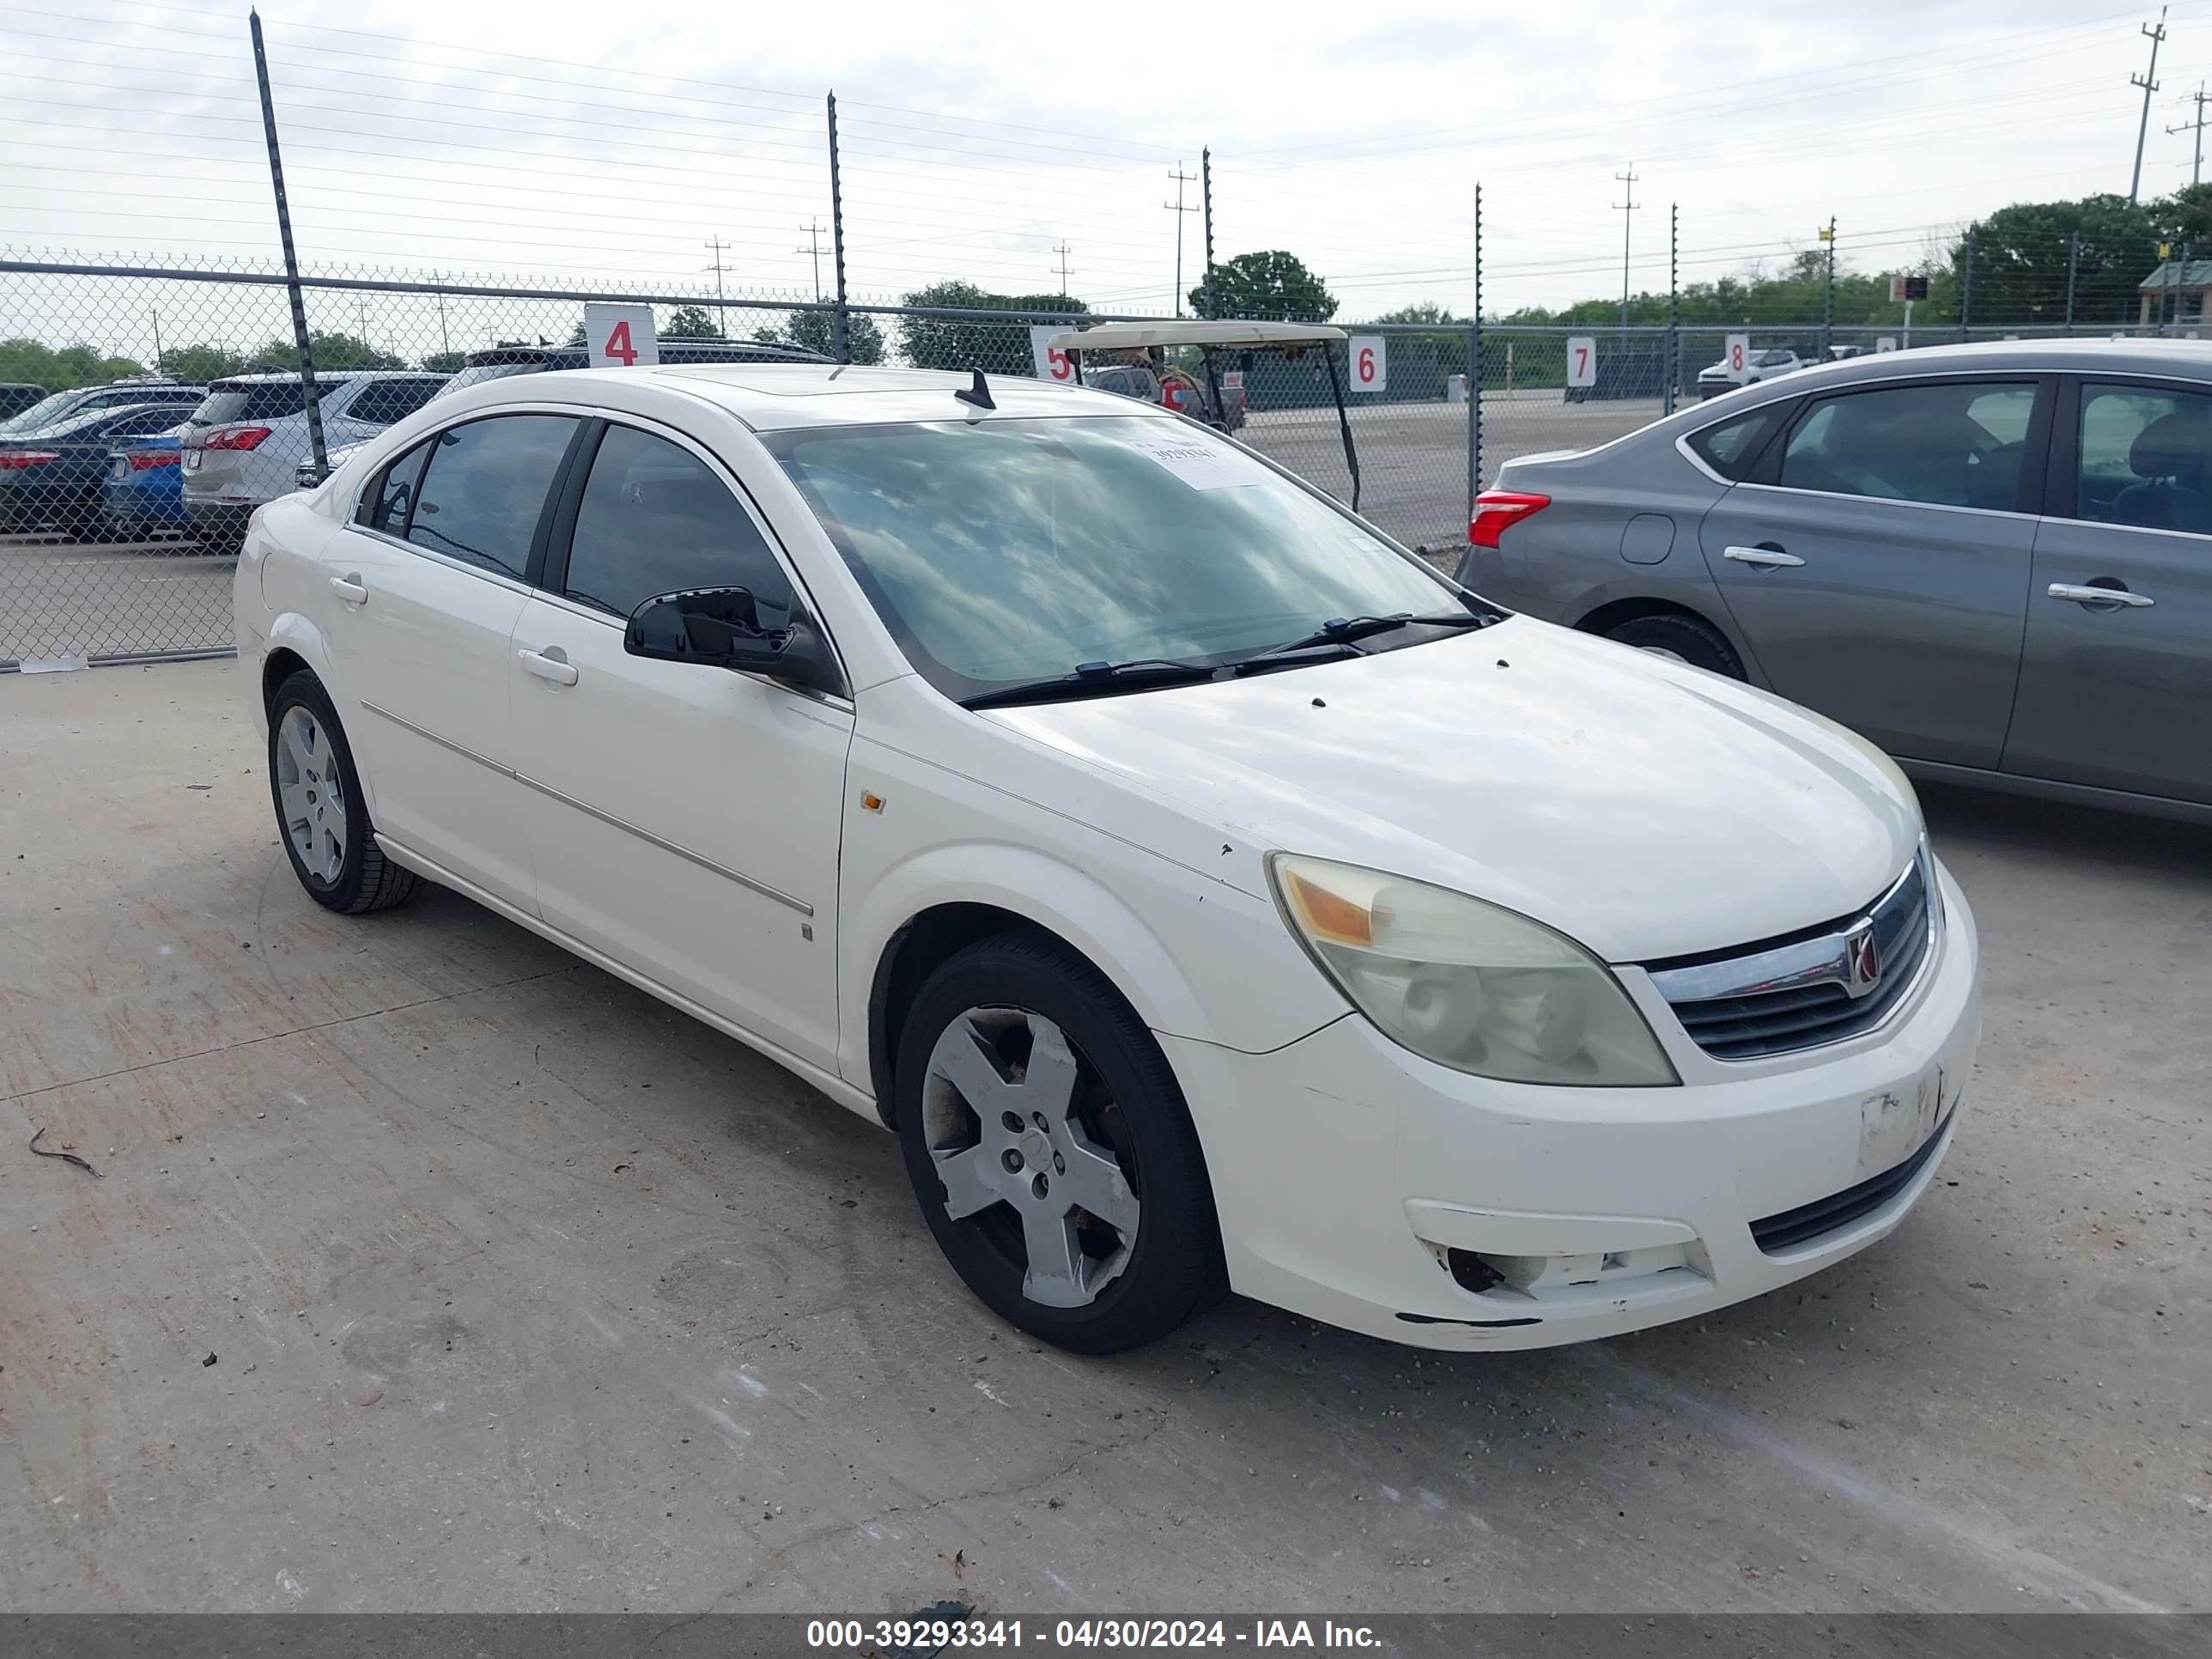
column 1475, row 371
column 1828, row 296
column 2073, row 264
column 1674, row 305
column 840, row 323
column 299, row 337
column 1205, row 195
column 1966, row 289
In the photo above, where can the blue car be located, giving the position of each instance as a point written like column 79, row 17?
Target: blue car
column 143, row 493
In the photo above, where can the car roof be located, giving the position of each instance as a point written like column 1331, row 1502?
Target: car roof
column 770, row 397
column 2128, row 356
column 326, row 376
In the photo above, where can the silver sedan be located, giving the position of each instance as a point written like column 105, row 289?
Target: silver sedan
column 1995, row 561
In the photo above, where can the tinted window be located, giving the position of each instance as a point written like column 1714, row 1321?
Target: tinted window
column 654, row 519
column 485, row 487
column 477, row 373
column 386, row 506
column 1951, row 445
column 140, row 423
column 2146, row 458
column 254, row 400
column 382, row 401
column 1731, row 447
column 1017, row 548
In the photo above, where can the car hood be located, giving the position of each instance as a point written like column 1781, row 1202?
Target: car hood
column 1644, row 807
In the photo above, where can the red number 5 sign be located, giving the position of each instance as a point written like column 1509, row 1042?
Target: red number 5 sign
column 1051, row 363
column 1370, row 362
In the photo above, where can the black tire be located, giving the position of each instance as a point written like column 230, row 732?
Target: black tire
column 1173, row 1268
column 1696, row 642
column 365, row 879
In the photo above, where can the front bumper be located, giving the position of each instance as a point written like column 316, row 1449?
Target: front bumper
column 1361, row 1185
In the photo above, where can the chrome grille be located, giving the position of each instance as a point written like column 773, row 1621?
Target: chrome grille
column 1806, row 989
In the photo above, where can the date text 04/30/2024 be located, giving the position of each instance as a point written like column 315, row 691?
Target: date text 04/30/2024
column 894, row 1635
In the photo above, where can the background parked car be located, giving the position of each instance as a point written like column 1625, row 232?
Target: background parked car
column 16, row 396
column 497, row 362
column 51, row 476
column 1762, row 365
column 1995, row 560
column 57, row 407
column 244, row 442
column 143, row 493
column 1139, row 381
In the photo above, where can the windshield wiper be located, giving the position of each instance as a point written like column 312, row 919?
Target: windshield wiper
column 1093, row 679
column 1343, row 630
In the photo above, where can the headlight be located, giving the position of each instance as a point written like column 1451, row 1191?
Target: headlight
column 1471, row 985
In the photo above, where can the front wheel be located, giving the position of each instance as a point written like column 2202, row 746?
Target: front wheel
column 1051, row 1150
column 320, row 812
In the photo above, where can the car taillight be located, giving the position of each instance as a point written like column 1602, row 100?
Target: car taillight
column 145, row 461
column 1497, row 510
column 236, row 437
column 14, row 460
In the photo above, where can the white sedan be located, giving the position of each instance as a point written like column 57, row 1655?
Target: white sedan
column 1208, row 894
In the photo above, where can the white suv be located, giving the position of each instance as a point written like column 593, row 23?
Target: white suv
column 244, row 442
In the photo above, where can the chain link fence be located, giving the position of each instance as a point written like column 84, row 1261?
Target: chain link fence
column 109, row 551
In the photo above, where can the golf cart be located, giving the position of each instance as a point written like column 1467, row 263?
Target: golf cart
column 1150, row 341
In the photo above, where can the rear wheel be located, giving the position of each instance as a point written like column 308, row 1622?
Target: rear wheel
column 320, row 812
column 1051, row 1152
column 1680, row 639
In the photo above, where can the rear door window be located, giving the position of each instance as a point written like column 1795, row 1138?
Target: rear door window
column 1947, row 444
column 2146, row 458
column 485, row 487
column 379, row 403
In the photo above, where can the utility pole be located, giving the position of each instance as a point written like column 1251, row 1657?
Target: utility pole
column 1626, row 211
column 721, row 312
column 813, row 229
column 1177, row 208
column 2200, row 97
column 156, row 310
column 1674, row 305
column 361, row 315
column 1205, row 201
column 2148, row 81
column 1063, row 250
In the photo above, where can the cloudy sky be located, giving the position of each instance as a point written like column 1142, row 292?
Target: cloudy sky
column 614, row 144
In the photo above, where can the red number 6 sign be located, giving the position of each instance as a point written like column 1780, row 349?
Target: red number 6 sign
column 1370, row 362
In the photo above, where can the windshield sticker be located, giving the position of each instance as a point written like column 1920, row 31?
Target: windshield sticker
column 1202, row 466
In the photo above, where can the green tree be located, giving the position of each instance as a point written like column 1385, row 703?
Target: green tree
column 445, row 362
column 692, row 323
column 2020, row 255
column 1423, row 311
column 198, row 364
column 959, row 342
column 332, row 351
column 1270, row 286
column 817, row 331
column 62, row 369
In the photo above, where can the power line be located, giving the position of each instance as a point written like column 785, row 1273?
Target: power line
column 2148, row 81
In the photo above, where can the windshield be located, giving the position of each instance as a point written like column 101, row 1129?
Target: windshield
column 477, row 373
column 1014, row 550
column 45, row 412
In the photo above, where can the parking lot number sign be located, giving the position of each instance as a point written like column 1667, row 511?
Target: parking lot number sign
column 1886, row 343
column 1050, row 365
column 1582, row 361
column 1739, row 356
column 620, row 336
column 1370, row 362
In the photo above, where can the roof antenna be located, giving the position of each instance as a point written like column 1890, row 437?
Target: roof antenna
column 978, row 395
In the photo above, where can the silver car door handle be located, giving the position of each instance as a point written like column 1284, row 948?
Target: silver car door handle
column 561, row 672
column 1762, row 555
column 2082, row 593
column 350, row 588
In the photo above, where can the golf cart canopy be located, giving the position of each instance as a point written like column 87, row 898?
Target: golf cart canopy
column 1208, row 336
column 1195, row 331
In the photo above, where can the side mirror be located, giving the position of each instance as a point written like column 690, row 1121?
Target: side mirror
column 720, row 628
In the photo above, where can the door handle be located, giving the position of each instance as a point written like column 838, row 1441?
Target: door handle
column 350, row 588
column 2086, row 594
column 1767, row 558
column 550, row 664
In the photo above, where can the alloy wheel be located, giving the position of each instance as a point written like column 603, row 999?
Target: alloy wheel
column 311, row 794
